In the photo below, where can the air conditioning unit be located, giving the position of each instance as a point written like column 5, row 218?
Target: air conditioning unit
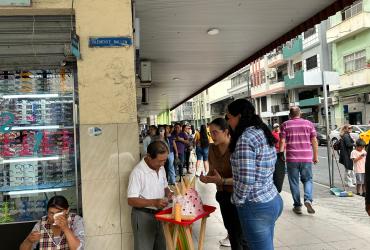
column 275, row 108
column 272, row 74
column 360, row 98
column 333, row 100
column 145, row 72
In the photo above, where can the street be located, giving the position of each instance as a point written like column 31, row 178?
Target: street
column 321, row 170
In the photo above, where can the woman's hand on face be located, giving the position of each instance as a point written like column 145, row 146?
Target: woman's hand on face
column 62, row 222
column 34, row 236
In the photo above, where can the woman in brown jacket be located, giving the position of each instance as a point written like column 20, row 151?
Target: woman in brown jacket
column 221, row 174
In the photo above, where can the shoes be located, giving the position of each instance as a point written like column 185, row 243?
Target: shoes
column 225, row 242
column 297, row 210
column 309, row 207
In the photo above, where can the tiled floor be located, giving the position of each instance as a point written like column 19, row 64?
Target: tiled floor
column 339, row 223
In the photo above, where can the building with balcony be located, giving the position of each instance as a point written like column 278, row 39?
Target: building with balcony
column 349, row 36
column 219, row 97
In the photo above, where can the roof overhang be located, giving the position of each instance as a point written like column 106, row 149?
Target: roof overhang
column 186, row 60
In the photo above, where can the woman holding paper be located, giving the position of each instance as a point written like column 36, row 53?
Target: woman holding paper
column 221, row 174
column 59, row 229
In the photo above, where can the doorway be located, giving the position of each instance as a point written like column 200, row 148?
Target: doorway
column 355, row 118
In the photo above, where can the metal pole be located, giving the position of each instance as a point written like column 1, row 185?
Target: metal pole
column 327, row 126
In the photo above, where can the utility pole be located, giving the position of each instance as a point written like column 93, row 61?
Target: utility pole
column 331, row 184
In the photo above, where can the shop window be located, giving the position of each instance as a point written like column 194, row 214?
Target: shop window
column 311, row 62
column 264, row 104
column 37, row 142
column 355, row 61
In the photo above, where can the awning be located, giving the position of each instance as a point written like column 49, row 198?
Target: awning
column 186, row 60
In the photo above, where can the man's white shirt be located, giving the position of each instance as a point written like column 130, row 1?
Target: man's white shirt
column 146, row 183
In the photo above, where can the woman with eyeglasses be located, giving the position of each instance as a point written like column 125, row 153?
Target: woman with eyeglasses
column 59, row 229
column 221, row 174
column 253, row 158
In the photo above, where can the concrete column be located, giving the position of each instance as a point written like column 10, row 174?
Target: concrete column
column 107, row 97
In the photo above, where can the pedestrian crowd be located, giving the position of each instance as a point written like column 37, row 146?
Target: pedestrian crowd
column 247, row 160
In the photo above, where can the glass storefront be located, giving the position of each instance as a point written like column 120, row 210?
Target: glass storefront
column 38, row 144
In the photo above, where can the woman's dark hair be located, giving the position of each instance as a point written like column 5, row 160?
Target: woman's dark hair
column 58, row 201
column 204, row 142
column 155, row 148
column 221, row 123
column 248, row 118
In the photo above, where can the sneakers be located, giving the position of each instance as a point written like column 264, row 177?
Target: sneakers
column 309, row 207
column 225, row 242
column 297, row 210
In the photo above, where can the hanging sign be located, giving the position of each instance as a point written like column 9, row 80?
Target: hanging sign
column 22, row 3
column 75, row 45
column 104, row 42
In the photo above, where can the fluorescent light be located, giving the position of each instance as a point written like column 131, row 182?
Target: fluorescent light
column 51, row 158
column 213, row 31
column 35, row 191
column 30, row 96
column 37, row 127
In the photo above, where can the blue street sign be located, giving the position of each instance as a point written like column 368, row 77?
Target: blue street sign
column 110, row 41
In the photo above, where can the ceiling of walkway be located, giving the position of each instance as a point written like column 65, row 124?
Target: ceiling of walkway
column 173, row 36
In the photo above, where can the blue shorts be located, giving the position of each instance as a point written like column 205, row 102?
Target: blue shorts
column 202, row 153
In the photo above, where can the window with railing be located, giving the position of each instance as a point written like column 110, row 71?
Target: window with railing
column 353, row 10
column 262, row 76
column 281, row 72
column 309, row 32
column 355, row 61
column 240, row 79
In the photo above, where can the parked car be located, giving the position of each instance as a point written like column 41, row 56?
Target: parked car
column 356, row 131
column 321, row 136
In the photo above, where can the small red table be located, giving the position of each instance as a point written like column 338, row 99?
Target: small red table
column 171, row 237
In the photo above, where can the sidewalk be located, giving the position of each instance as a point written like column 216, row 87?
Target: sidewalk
column 339, row 223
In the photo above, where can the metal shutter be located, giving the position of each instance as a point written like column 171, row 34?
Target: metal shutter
column 34, row 42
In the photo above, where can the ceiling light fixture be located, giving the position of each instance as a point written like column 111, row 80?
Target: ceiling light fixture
column 176, row 79
column 213, row 31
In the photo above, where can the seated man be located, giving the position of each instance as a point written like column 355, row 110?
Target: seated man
column 148, row 193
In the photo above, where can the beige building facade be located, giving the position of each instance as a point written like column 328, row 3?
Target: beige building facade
column 107, row 100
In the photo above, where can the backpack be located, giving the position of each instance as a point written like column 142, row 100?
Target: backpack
column 336, row 145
